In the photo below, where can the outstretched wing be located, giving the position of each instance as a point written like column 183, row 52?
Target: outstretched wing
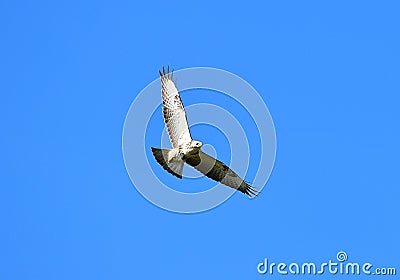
column 173, row 111
column 219, row 172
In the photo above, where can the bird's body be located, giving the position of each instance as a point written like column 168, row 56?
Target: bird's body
column 184, row 148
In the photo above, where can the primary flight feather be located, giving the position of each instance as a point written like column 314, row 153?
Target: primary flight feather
column 184, row 148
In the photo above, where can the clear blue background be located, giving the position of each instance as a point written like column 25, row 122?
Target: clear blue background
column 69, row 70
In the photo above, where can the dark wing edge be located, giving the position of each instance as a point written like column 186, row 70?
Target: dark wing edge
column 160, row 158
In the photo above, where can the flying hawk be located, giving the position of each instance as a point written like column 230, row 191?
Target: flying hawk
column 184, row 148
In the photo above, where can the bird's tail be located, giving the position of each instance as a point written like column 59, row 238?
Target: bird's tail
column 166, row 158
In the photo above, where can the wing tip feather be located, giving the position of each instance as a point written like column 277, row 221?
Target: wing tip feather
column 166, row 74
column 250, row 191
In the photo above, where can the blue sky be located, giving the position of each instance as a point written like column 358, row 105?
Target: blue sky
column 328, row 71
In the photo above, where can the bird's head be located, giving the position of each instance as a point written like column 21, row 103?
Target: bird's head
column 196, row 144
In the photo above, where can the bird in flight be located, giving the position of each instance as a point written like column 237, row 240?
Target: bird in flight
column 184, row 148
